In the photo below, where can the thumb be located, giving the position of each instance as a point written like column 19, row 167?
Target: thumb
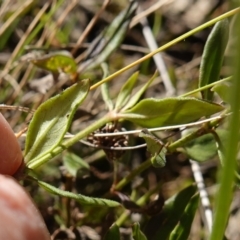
column 10, row 152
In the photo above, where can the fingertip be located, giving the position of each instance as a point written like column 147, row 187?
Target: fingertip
column 10, row 151
column 19, row 218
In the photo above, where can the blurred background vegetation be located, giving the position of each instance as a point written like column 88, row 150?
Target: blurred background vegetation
column 31, row 28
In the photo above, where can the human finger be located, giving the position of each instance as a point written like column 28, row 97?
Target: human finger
column 19, row 218
column 10, row 152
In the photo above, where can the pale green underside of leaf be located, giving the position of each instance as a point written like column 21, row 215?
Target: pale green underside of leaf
column 204, row 148
column 169, row 111
column 223, row 90
column 52, row 119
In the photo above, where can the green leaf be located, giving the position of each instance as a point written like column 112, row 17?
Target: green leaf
column 105, row 88
column 52, row 119
column 109, row 40
column 126, row 91
column 57, row 62
column 223, row 90
column 156, row 147
column 172, row 212
column 106, row 96
column 137, row 233
column 73, row 163
column 182, row 230
column 113, row 233
column 204, row 148
column 213, row 56
column 101, row 202
column 226, row 176
column 169, row 111
column 135, row 98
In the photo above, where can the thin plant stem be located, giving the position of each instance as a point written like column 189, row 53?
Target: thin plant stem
column 205, row 87
column 182, row 141
column 135, row 172
column 115, row 172
column 193, row 124
column 169, row 44
column 158, row 59
column 141, row 201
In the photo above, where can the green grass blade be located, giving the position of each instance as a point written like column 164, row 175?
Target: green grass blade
column 227, row 174
column 172, row 212
column 182, row 230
